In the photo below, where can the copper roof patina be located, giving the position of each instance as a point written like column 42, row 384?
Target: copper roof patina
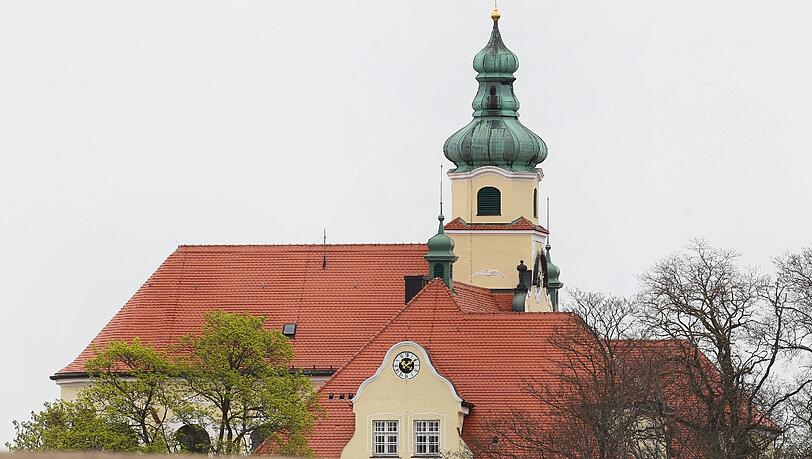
column 495, row 137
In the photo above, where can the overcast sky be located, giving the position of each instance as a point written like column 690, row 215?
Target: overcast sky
column 127, row 128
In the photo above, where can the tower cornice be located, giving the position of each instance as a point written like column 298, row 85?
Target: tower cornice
column 537, row 175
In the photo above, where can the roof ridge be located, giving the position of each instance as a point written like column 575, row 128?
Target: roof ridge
column 519, row 223
column 523, row 314
column 384, row 328
column 314, row 244
column 472, row 286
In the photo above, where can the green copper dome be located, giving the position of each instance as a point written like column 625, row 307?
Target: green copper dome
column 495, row 59
column 495, row 137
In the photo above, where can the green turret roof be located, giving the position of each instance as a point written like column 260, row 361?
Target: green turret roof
column 441, row 256
column 441, row 246
column 495, row 60
column 552, row 272
column 495, row 137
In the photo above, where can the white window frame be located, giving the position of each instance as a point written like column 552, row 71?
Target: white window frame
column 430, row 430
column 386, row 437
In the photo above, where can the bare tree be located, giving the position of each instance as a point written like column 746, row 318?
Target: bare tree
column 606, row 404
column 795, row 273
column 736, row 331
column 696, row 366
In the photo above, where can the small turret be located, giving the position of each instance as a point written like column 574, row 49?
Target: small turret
column 553, row 283
column 441, row 256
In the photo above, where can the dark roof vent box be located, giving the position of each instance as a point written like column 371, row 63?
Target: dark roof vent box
column 414, row 284
column 289, row 329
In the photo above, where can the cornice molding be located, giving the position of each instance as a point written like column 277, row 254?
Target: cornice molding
column 537, row 176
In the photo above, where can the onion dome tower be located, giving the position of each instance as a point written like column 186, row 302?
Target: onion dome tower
column 441, row 256
column 495, row 185
column 495, row 137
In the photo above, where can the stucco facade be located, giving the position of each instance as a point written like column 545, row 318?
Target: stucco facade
column 516, row 190
column 385, row 396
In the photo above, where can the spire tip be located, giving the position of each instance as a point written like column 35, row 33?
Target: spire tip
column 495, row 14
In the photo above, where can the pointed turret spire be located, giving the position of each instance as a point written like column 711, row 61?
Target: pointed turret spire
column 553, row 283
column 495, row 137
column 441, row 256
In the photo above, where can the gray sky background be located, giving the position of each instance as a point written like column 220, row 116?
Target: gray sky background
column 127, row 128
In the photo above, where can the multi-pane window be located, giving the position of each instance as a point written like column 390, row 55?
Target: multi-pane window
column 385, row 440
column 427, row 438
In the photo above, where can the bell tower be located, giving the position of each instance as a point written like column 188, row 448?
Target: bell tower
column 495, row 183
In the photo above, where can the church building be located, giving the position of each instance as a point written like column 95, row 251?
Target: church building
column 416, row 359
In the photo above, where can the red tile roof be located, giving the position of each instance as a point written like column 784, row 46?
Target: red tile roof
column 348, row 316
column 477, row 299
column 488, row 356
column 520, row 224
column 336, row 310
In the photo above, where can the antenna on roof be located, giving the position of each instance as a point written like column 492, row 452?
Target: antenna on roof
column 441, row 189
column 324, row 251
column 548, row 219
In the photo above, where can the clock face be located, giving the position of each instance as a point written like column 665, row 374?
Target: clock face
column 538, row 270
column 406, row 365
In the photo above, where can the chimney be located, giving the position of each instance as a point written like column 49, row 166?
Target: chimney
column 414, row 284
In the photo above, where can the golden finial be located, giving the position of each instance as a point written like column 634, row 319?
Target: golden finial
column 495, row 14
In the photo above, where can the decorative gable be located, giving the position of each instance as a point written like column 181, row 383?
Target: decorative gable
column 406, row 408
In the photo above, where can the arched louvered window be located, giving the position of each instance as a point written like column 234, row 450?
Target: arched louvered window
column 489, row 201
column 439, row 271
column 535, row 203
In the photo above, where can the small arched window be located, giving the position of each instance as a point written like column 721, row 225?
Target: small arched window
column 489, row 201
column 439, row 271
column 535, row 203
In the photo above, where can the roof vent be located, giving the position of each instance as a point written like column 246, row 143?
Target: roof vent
column 289, row 329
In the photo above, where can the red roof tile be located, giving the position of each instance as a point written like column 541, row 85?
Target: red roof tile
column 520, row 224
column 336, row 310
column 477, row 299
